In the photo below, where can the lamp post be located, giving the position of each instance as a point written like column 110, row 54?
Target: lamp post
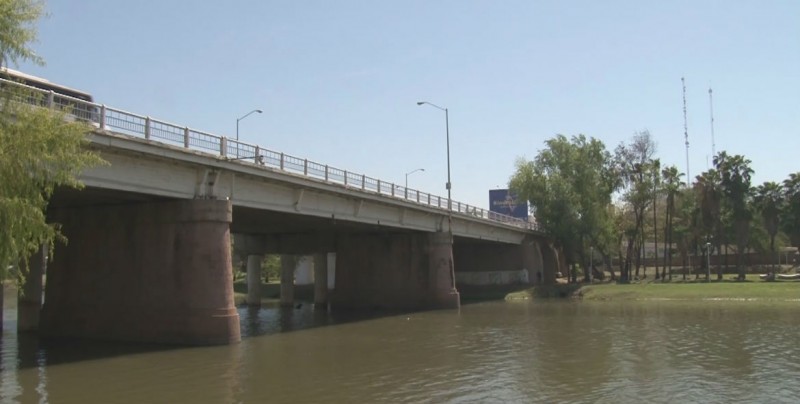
column 447, row 131
column 591, row 263
column 239, row 119
column 412, row 172
column 405, row 189
column 449, row 196
column 708, row 262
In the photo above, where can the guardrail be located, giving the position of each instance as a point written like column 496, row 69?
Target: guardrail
column 148, row 128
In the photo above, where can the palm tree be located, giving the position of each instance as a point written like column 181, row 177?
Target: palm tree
column 769, row 200
column 791, row 214
column 672, row 184
column 709, row 195
column 655, row 167
column 735, row 173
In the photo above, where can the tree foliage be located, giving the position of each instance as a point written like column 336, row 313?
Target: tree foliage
column 791, row 211
column 570, row 185
column 735, row 173
column 571, row 182
column 39, row 149
column 635, row 164
column 768, row 200
column 672, row 184
column 17, row 31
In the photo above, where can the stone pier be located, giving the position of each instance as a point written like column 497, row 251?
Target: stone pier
column 288, row 264
column 148, row 272
column 395, row 271
column 254, row 279
column 321, row 281
column 29, row 303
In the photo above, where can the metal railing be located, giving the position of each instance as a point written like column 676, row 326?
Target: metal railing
column 117, row 120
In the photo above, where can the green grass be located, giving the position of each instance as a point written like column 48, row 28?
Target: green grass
column 752, row 289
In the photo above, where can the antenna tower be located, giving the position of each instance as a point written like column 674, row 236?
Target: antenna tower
column 711, row 108
column 686, row 132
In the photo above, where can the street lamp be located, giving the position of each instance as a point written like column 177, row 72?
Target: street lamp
column 412, row 172
column 239, row 119
column 708, row 262
column 447, row 129
column 591, row 263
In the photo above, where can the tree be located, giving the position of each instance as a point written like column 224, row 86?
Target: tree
column 39, row 151
column 17, row 31
column 655, row 174
column 791, row 214
column 708, row 190
column 769, row 200
column 672, row 184
column 634, row 162
column 735, row 175
column 569, row 184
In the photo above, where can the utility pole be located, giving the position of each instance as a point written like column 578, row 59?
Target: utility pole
column 686, row 134
column 711, row 108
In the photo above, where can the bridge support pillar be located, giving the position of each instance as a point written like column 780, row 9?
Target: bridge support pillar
column 395, row 271
column 442, row 266
column 550, row 264
column 29, row 305
column 288, row 264
column 254, row 279
column 321, row 281
column 149, row 272
column 532, row 260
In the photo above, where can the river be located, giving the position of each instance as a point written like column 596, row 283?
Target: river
column 491, row 352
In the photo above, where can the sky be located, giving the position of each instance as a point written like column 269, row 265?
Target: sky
column 339, row 81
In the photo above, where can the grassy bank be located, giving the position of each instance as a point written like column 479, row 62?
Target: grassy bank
column 753, row 289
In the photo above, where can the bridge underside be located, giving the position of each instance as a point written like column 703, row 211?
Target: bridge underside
column 138, row 268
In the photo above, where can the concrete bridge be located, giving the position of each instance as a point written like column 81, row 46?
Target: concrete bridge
column 150, row 237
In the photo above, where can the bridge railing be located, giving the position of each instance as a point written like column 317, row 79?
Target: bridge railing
column 129, row 123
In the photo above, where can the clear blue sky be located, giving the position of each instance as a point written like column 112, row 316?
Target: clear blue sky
column 338, row 81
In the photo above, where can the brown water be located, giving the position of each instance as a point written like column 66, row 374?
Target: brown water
column 498, row 352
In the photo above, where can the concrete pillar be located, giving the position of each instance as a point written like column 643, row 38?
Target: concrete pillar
column 2, row 299
column 321, row 281
column 254, row 279
column 550, row 264
column 331, row 271
column 288, row 263
column 149, row 272
column 442, row 272
column 562, row 262
column 29, row 302
column 304, row 270
column 532, row 260
column 394, row 271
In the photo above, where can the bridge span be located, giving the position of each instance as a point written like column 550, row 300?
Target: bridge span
column 151, row 237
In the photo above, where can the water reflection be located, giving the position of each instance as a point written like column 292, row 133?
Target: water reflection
column 488, row 352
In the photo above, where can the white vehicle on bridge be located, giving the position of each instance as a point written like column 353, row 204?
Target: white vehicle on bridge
column 77, row 103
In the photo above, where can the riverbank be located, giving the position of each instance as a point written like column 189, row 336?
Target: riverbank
column 752, row 289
